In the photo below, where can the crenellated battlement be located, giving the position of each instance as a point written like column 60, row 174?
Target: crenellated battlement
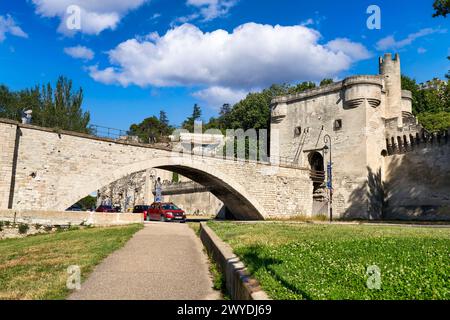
column 410, row 140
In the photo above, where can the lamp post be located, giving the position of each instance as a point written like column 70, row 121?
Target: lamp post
column 327, row 150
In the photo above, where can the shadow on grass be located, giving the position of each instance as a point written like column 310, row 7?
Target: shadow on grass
column 255, row 260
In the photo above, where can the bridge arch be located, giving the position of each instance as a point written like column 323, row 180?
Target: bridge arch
column 242, row 205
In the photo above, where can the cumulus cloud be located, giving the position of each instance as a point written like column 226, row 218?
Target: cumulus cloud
column 228, row 63
column 80, row 52
column 217, row 96
column 96, row 15
column 355, row 51
column 9, row 26
column 390, row 42
column 211, row 9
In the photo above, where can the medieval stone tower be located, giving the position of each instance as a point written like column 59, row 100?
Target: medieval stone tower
column 366, row 116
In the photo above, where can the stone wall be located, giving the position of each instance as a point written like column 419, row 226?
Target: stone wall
column 198, row 203
column 417, row 183
column 64, row 218
column 56, row 169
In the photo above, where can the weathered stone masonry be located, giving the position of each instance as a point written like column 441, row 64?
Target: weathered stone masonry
column 55, row 170
column 370, row 121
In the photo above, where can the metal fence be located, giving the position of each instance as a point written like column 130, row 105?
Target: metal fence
column 122, row 135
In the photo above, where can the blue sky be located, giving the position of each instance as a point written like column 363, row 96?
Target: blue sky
column 136, row 57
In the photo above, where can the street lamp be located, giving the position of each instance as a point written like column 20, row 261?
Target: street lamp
column 327, row 150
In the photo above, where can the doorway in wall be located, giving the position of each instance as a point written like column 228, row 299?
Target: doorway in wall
column 317, row 175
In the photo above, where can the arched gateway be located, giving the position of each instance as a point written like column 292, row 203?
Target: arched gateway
column 46, row 170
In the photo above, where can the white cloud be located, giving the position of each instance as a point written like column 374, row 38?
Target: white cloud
column 390, row 42
column 216, row 96
column 80, row 52
column 211, row 9
column 228, row 64
column 252, row 55
column 421, row 50
column 9, row 26
column 96, row 15
column 308, row 22
column 355, row 51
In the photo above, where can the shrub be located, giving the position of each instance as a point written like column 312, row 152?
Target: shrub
column 23, row 228
column 7, row 223
column 48, row 228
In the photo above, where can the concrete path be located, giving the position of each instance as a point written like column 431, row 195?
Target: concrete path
column 164, row 261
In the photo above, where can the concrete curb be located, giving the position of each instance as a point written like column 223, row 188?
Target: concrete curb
column 239, row 283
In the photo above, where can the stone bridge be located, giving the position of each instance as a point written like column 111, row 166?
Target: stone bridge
column 47, row 169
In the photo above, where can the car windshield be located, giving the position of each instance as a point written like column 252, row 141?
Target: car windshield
column 170, row 207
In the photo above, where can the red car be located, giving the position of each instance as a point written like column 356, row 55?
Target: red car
column 166, row 212
column 105, row 209
column 142, row 209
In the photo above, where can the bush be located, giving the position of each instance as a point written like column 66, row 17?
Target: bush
column 23, row 228
column 1, row 225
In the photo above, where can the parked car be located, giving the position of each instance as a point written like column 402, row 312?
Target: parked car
column 142, row 209
column 164, row 211
column 105, row 209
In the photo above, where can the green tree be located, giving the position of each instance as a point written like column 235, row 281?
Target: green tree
column 163, row 118
column 60, row 107
column 307, row 85
column 8, row 104
column 88, row 202
column 441, row 8
column 326, row 82
column 151, row 130
column 188, row 124
column 418, row 103
column 435, row 122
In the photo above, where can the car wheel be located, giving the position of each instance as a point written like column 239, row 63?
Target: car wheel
column 162, row 219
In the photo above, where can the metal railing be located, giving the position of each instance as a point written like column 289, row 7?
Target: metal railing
column 106, row 132
column 122, row 135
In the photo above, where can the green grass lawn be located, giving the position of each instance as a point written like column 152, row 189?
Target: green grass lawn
column 301, row 261
column 36, row 267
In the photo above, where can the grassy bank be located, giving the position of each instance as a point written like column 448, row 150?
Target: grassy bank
column 36, row 267
column 299, row 261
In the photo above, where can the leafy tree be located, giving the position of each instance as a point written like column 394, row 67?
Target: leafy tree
column 8, row 104
column 188, row 124
column 88, row 203
column 432, row 105
column 326, row 82
column 60, row 107
column 307, row 85
column 418, row 104
column 441, row 8
column 435, row 122
column 163, row 118
column 151, row 129
column 225, row 110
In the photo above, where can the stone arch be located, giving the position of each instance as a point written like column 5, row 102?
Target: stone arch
column 317, row 166
column 242, row 205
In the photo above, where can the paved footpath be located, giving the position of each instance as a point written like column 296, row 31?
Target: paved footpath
column 164, row 261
